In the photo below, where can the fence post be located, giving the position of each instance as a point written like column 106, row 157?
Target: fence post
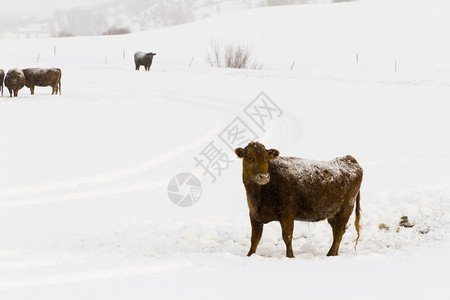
column 357, row 58
column 106, row 59
column 292, row 66
column 39, row 56
column 395, row 66
column 54, row 50
column 123, row 56
column 191, row 61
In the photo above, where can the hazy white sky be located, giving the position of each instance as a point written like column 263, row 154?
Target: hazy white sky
column 42, row 6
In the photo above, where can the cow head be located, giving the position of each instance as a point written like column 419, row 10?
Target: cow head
column 150, row 54
column 256, row 162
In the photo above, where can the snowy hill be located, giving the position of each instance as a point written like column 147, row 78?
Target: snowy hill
column 156, row 14
column 84, row 205
column 134, row 15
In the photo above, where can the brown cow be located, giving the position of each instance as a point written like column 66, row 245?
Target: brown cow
column 2, row 76
column 285, row 189
column 14, row 81
column 43, row 77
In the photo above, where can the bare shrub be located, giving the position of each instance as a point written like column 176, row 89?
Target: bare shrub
column 65, row 34
column 237, row 56
column 117, row 30
column 214, row 55
column 229, row 55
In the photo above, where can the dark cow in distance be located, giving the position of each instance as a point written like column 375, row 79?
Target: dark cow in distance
column 285, row 189
column 143, row 59
column 2, row 76
column 14, row 81
column 43, row 77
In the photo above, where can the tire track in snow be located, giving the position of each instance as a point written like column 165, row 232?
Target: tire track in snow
column 221, row 106
column 26, row 264
column 92, row 275
column 110, row 177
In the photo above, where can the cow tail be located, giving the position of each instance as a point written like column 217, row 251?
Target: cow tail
column 357, row 217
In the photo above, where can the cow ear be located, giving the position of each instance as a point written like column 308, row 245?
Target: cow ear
column 240, row 152
column 273, row 153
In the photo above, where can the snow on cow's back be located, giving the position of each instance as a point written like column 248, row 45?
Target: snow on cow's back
column 308, row 170
column 139, row 54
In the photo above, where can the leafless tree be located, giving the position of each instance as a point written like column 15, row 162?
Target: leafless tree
column 230, row 55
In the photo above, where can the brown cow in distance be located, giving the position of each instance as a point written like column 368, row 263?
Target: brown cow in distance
column 2, row 76
column 285, row 189
column 14, row 81
column 43, row 77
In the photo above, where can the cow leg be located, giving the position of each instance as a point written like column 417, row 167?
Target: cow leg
column 32, row 90
column 287, row 229
column 338, row 223
column 10, row 92
column 257, row 229
column 137, row 67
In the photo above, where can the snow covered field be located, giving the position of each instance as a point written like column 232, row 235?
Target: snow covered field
column 84, row 209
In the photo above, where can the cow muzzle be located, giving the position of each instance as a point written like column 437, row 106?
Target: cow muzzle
column 262, row 178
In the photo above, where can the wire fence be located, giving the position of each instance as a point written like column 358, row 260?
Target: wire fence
column 122, row 58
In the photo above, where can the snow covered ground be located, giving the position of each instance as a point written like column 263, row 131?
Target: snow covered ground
column 84, row 209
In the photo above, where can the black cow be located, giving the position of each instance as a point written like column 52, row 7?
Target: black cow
column 285, row 189
column 2, row 76
column 143, row 59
